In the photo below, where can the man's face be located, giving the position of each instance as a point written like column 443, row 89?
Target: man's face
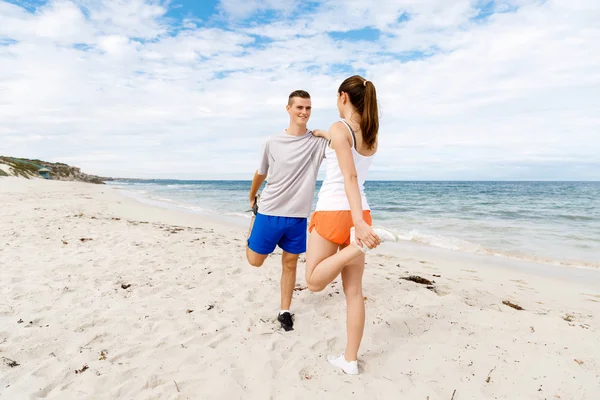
column 299, row 110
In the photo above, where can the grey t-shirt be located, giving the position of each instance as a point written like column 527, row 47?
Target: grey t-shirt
column 292, row 164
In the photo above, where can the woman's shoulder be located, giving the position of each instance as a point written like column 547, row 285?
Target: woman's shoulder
column 339, row 128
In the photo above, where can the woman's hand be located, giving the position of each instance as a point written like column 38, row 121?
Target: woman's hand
column 321, row 133
column 365, row 235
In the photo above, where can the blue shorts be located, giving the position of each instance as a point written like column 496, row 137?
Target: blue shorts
column 289, row 233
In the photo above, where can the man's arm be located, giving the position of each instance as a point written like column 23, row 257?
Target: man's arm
column 257, row 181
column 261, row 173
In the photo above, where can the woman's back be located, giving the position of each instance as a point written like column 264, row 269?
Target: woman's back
column 332, row 195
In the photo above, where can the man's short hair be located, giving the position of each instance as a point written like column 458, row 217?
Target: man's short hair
column 303, row 94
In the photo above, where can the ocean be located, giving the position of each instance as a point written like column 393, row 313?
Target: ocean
column 548, row 222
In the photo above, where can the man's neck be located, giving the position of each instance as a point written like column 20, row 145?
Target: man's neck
column 296, row 130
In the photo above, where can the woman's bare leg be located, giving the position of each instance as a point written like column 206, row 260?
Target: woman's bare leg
column 324, row 263
column 355, row 305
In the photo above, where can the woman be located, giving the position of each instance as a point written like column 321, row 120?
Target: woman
column 340, row 228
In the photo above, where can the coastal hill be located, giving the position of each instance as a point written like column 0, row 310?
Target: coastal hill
column 22, row 167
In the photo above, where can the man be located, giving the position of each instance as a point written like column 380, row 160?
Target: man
column 292, row 160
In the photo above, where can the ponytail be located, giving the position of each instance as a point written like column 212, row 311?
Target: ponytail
column 363, row 97
column 369, row 123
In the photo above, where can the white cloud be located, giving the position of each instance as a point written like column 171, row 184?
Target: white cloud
column 115, row 88
column 245, row 8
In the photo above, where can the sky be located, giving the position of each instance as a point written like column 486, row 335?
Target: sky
column 190, row 89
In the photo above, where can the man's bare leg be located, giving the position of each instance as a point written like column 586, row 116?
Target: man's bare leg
column 289, row 263
column 255, row 259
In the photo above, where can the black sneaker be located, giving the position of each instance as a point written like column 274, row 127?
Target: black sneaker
column 286, row 321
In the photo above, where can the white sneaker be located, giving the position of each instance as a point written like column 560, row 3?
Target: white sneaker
column 385, row 235
column 349, row 367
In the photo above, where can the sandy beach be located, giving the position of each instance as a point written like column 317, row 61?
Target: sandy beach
column 104, row 297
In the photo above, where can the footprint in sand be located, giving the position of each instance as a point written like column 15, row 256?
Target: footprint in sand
column 595, row 296
column 43, row 393
column 518, row 281
column 96, row 339
column 153, row 381
column 308, row 374
column 215, row 343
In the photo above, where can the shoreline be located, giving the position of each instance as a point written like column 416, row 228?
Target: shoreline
column 511, row 259
column 110, row 298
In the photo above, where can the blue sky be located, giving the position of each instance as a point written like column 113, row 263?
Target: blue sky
column 190, row 89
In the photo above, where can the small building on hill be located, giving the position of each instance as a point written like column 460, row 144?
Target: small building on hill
column 44, row 173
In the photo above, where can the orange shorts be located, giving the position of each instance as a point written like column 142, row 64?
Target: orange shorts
column 335, row 225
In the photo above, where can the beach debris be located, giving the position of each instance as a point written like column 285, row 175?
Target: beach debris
column 418, row 279
column 578, row 361
column 20, row 321
column 85, row 239
column 569, row 317
column 177, row 386
column 189, row 311
column 82, row 370
column 489, row 377
column 299, row 288
column 10, row 363
column 126, row 286
column 437, row 276
column 453, row 393
column 65, row 242
column 512, row 305
column 532, row 329
column 103, row 354
column 116, row 219
column 210, row 307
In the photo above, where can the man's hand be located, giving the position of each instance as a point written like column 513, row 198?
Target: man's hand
column 254, row 205
column 256, row 182
column 321, row 133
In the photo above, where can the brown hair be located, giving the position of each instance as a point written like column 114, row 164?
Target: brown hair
column 363, row 97
column 303, row 94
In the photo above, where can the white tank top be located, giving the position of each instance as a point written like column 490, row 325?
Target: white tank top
column 332, row 195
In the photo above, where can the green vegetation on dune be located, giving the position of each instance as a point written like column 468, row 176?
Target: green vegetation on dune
column 58, row 171
column 21, row 167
